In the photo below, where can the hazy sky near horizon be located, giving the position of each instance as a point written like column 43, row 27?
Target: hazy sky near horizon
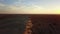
column 30, row 6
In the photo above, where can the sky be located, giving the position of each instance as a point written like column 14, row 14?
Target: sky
column 30, row 6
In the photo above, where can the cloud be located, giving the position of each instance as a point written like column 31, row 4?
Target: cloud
column 21, row 8
column 1, row 5
column 31, row 9
column 1, row 0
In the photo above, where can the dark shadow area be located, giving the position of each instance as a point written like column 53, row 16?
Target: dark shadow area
column 12, row 23
column 45, row 24
column 42, row 24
